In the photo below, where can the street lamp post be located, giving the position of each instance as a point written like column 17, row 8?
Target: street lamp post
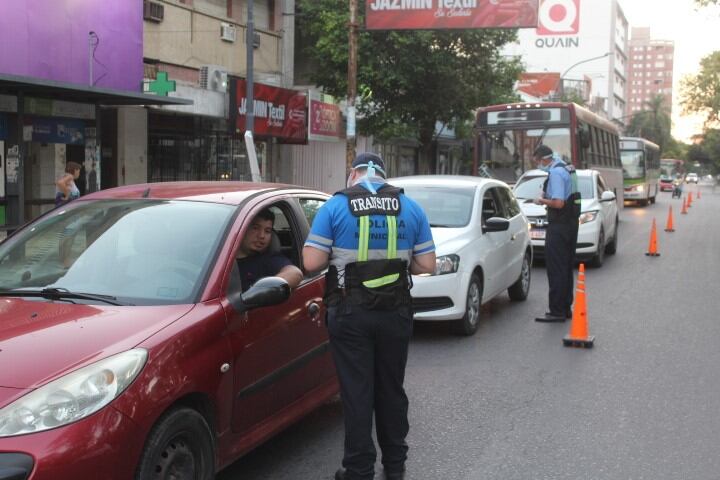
column 562, row 77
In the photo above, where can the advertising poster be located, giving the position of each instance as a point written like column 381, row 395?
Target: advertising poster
column 448, row 14
column 326, row 122
column 279, row 112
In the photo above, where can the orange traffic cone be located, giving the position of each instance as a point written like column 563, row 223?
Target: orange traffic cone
column 684, row 208
column 669, row 224
column 652, row 249
column 689, row 200
column 578, row 334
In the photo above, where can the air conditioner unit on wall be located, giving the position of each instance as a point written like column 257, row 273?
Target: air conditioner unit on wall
column 153, row 11
column 213, row 77
column 228, row 32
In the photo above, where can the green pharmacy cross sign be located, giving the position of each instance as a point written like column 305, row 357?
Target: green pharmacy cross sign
column 161, row 85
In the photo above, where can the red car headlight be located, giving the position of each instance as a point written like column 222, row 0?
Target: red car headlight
column 73, row 396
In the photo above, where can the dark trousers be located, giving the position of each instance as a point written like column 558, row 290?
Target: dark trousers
column 370, row 350
column 560, row 243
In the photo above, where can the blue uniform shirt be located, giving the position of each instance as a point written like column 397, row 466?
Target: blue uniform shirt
column 559, row 183
column 336, row 231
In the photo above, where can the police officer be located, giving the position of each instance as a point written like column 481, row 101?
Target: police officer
column 373, row 238
column 562, row 199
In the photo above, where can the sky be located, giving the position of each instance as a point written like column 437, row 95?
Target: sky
column 696, row 32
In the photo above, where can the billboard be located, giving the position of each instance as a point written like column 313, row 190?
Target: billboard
column 278, row 112
column 559, row 17
column 57, row 40
column 447, row 14
column 326, row 119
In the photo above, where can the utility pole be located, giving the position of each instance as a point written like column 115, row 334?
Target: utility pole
column 249, row 95
column 352, row 85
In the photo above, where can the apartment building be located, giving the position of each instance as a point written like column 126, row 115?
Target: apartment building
column 650, row 71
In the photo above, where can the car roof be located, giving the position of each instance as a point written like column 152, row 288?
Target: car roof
column 542, row 173
column 445, row 180
column 229, row 192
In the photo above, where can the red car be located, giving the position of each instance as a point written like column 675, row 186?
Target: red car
column 128, row 350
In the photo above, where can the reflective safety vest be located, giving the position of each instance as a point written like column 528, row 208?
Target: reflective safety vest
column 382, row 284
column 570, row 212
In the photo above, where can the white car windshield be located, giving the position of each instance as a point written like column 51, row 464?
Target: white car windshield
column 449, row 207
column 143, row 252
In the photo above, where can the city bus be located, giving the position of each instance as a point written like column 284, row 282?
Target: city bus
column 670, row 169
column 507, row 135
column 641, row 169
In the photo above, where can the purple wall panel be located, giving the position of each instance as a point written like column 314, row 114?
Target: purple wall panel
column 49, row 39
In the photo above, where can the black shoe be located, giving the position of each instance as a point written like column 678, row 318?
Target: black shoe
column 549, row 317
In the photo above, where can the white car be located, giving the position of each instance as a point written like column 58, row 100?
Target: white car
column 691, row 177
column 482, row 246
column 598, row 231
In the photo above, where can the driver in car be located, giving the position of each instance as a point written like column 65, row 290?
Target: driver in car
column 255, row 259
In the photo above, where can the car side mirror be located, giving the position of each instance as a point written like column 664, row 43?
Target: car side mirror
column 607, row 196
column 496, row 224
column 265, row 292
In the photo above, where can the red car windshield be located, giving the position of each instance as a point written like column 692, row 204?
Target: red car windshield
column 143, row 252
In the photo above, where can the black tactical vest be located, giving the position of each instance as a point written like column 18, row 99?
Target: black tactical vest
column 570, row 212
column 375, row 284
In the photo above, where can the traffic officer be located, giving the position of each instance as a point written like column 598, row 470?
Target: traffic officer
column 562, row 199
column 373, row 238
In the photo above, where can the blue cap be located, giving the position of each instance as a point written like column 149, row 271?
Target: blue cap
column 368, row 160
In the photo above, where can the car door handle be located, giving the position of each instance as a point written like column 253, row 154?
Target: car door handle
column 513, row 237
column 313, row 310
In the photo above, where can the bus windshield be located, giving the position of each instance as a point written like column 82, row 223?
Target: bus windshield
column 507, row 153
column 633, row 164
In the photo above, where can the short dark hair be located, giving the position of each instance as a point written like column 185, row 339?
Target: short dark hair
column 70, row 167
column 542, row 151
column 266, row 214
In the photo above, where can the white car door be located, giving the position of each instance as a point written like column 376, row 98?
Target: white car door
column 608, row 209
column 495, row 244
column 517, row 238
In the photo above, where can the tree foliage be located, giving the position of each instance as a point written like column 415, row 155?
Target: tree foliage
column 701, row 93
column 706, row 152
column 652, row 123
column 408, row 80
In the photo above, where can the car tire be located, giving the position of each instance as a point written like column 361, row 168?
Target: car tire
column 597, row 260
column 468, row 324
column 611, row 248
column 519, row 290
column 180, row 446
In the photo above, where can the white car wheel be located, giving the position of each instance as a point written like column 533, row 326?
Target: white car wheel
column 469, row 323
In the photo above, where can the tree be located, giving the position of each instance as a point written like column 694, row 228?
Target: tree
column 675, row 149
column 701, row 93
column 653, row 123
column 408, row 80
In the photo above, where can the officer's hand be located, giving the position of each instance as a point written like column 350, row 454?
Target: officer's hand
column 537, row 201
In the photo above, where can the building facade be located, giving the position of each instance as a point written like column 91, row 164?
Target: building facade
column 650, row 71
column 584, row 44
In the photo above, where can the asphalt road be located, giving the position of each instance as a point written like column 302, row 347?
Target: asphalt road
column 512, row 403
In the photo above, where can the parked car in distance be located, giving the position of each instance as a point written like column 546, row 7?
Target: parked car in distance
column 135, row 354
column 598, row 231
column 691, row 177
column 482, row 247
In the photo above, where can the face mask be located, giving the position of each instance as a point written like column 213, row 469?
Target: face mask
column 544, row 168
